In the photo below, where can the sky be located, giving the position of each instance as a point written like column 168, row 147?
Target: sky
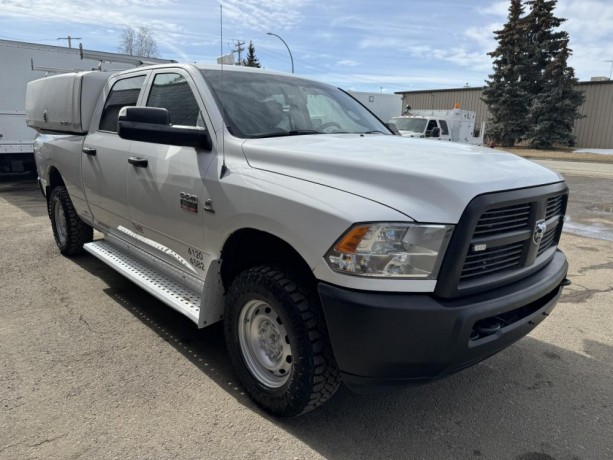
column 382, row 46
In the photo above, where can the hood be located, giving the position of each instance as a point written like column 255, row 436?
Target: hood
column 427, row 181
column 410, row 133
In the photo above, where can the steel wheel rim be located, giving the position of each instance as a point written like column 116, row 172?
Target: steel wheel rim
column 60, row 222
column 264, row 344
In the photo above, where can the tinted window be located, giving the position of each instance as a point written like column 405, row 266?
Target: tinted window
column 171, row 91
column 123, row 93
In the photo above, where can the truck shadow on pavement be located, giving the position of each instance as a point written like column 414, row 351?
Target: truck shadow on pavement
column 533, row 401
column 24, row 195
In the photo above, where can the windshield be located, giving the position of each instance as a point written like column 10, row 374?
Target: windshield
column 417, row 125
column 263, row 105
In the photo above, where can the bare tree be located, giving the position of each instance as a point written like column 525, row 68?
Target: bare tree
column 138, row 42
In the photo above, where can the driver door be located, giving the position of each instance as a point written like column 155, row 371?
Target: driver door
column 166, row 191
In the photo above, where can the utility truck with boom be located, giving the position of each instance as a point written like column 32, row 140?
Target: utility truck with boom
column 333, row 250
column 454, row 125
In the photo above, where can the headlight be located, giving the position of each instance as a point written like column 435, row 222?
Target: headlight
column 391, row 250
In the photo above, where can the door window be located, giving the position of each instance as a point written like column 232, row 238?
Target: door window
column 444, row 128
column 123, row 93
column 171, row 91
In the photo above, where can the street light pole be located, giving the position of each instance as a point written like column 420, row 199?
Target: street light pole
column 611, row 71
column 288, row 50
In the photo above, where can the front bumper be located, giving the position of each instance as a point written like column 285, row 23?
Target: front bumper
column 388, row 339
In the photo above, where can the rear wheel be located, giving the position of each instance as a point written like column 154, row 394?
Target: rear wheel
column 278, row 342
column 69, row 231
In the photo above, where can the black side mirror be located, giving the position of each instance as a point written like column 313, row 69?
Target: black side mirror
column 152, row 115
column 152, row 124
column 436, row 132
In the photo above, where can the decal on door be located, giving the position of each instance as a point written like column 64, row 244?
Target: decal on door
column 189, row 202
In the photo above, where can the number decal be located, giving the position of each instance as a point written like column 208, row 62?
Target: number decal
column 196, row 258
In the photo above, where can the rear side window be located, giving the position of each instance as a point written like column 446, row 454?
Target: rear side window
column 171, row 91
column 444, row 129
column 123, row 93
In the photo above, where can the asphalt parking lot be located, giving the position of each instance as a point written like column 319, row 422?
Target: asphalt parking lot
column 93, row 367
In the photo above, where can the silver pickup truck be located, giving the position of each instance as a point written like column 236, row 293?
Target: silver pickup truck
column 334, row 250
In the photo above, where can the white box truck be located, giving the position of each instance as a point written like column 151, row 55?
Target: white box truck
column 23, row 62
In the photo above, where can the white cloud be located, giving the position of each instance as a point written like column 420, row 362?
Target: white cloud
column 347, row 63
column 500, row 9
column 264, row 15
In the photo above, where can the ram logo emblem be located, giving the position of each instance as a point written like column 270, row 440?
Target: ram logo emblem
column 539, row 231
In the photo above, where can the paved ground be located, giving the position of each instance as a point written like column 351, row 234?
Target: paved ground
column 579, row 168
column 93, row 367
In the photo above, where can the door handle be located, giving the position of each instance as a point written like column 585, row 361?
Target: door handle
column 89, row 151
column 139, row 162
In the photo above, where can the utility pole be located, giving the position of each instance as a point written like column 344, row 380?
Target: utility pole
column 239, row 50
column 70, row 39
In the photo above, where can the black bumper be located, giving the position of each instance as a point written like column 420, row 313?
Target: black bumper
column 388, row 339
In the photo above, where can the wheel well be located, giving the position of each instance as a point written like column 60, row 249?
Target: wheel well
column 248, row 248
column 55, row 179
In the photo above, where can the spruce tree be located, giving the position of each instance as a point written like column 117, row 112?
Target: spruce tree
column 505, row 94
column 548, row 79
column 251, row 60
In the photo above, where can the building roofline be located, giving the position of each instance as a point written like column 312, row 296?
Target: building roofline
column 481, row 88
column 63, row 49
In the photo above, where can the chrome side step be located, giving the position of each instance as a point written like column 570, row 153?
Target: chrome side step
column 166, row 289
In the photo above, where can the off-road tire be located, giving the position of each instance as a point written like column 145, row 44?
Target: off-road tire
column 314, row 375
column 77, row 233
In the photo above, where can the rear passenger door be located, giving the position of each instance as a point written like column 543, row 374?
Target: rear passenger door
column 166, row 192
column 104, row 159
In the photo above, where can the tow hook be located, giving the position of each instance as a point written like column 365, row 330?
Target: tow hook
column 566, row 282
column 485, row 327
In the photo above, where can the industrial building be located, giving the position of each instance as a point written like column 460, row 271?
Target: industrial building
column 594, row 130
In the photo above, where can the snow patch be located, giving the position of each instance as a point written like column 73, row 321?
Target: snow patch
column 596, row 231
column 597, row 151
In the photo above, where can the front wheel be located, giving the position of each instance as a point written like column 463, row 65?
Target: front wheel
column 278, row 342
column 69, row 231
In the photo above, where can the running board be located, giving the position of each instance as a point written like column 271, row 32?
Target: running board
column 164, row 288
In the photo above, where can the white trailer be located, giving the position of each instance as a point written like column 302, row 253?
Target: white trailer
column 453, row 125
column 383, row 105
column 23, row 62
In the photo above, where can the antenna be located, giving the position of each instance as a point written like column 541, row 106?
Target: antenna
column 224, row 168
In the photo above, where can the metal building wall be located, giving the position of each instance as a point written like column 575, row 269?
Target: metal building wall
column 596, row 129
column 593, row 131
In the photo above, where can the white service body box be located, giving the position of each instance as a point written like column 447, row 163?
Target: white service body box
column 64, row 103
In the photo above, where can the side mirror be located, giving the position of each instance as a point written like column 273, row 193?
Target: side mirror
column 152, row 124
column 392, row 127
column 436, row 132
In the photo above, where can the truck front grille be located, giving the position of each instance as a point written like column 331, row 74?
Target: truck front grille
column 503, row 220
column 492, row 260
column 501, row 238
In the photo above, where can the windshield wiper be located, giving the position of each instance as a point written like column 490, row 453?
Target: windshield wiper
column 295, row 132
